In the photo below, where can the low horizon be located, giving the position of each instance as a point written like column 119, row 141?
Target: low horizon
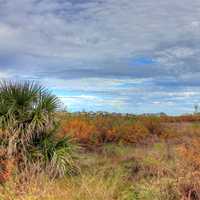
column 129, row 113
column 128, row 56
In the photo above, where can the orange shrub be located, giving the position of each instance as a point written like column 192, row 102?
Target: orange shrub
column 102, row 128
column 153, row 124
column 79, row 128
column 134, row 133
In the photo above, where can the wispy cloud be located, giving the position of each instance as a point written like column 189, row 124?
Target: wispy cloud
column 100, row 48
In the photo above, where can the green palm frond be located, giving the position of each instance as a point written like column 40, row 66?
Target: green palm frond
column 27, row 119
column 27, row 108
column 63, row 157
column 56, row 154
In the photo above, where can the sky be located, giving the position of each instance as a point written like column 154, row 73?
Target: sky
column 129, row 56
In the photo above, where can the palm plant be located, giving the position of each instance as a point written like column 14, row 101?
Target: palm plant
column 57, row 155
column 26, row 110
column 27, row 117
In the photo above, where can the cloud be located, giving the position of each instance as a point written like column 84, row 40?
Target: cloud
column 113, row 28
column 129, row 52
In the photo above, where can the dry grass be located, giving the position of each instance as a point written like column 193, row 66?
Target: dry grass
column 166, row 168
column 108, row 174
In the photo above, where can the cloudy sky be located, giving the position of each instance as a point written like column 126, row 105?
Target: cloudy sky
column 115, row 55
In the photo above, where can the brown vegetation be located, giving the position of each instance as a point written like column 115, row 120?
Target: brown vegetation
column 122, row 158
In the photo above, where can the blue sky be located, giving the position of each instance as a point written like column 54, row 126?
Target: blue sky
column 131, row 56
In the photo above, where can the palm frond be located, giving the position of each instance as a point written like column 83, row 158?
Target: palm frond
column 27, row 119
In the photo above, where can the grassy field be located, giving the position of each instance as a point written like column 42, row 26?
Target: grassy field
column 156, row 170
column 111, row 172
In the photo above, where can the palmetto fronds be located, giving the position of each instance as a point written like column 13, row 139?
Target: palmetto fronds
column 26, row 109
column 57, row 155
column 27, row 125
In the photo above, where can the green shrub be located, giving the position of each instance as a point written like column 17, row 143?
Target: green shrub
column 27, row 124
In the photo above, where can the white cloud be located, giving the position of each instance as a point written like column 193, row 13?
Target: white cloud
column 93, row 84
column 60, row 43
column 96, row 30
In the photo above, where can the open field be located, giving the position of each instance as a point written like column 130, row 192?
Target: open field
column 99, row 99
column 121, row 158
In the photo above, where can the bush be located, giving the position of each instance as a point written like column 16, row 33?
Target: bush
column 153, row 124
column 134, row 133
column 103, row 129
column 79, row 128
column 27, row 117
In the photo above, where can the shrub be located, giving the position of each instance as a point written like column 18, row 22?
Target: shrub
column 56, row 155
column 27, row 116
column 103, row 129
column 134, row 133
column 153, row 124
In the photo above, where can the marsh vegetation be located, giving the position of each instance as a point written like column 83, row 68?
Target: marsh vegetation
column 46, row 154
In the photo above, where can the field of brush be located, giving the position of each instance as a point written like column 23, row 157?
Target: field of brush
column 120, row 158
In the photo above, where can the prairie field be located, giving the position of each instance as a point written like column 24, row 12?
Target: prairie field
column 118, row 158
